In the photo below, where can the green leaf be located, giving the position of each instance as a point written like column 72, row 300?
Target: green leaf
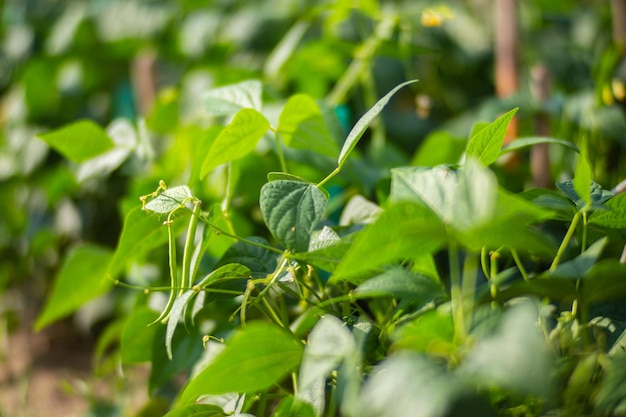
column 236, row 140
column 258, row 356
column 79, row 141
column 141, row 233
column 277, row 176
column 439, row 147
column 82, row 277
column 323, row 238
column 363, row 123
column 615, row 216
column 169, row 200
column 228, row 100
column 197, row 410
column 583, row 176
column 291, row 211
column 176, row 313
column 232, row 277
column 598, row 194
column 138, row 336
column 485, row 145
column 301, row 125
column 403, row 231
column 578, row 267
column 329, row 343
column 259, row 260
column 515, row 357
column 604, row 282
column 431, row 333
column 359, row 211
column 527, row 142
column 401, row 283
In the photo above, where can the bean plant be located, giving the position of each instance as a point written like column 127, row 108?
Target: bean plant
column 281, row 289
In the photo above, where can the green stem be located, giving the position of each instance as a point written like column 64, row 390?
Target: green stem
column 328, row 177
column 565, row 242
column 279, row 151
column 187, row 279
column 519, row 264
column 456, row 293
column 483, row 262
column 174, row 282
column 584, row 238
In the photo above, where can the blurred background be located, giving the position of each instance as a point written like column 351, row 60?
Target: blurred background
column 140, row 69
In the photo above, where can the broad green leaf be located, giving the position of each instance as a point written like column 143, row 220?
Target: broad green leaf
column 169, row 199
column 277, row 176
column 301, row 125
column 515, row 357
column 260, row 261
column 583, row 176
column 403, row 231
column 329, row 343
column 79, row 141
column 431, row 333
column 141, row 233
column 232, row 277
column 236, row 140
column 258, row 356
column 615, row 216
column 605, row 281
column 409, row 381
column 438, row 148
column 401, row 283
column 527, row 142
column 82, row 277
column 363, row 123
column 291, row 211
column 197, row 410
column 138, row 336
column 228, row 100
column 486, row 144
column 327, row 257
column 598, row 195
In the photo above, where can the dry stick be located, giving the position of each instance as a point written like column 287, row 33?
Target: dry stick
column 506, row 48
column 539, row 154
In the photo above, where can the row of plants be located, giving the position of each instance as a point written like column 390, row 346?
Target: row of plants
column 450, row 295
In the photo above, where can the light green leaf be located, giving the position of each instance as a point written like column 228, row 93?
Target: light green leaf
column 485, row 145
column 82, row 277
column 527, row 142
column 169, row 199
column 329, row 343
column 236, row 140
column 431, row 333
column 439, row 147
column 615, row 216
column 229, row 99
column 363, row 123
column 197, row 410
column 138, row 336
column 301, row 125
column 141, row 233
column 359, row 211
column 176, row 313
column 403, row 231
column 258, row 356
column 291, row 211
column 79, row 141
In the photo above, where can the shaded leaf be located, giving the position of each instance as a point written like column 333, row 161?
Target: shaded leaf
column 291, row 211
column 82, row 277
column 79, row 141
column 615, row 215
column 363, row 123
column 598, row 194
column 258, row 356
column 527, row 142
column 485, row 145
column 138, row 336
column 401, row 283
column 260, row 261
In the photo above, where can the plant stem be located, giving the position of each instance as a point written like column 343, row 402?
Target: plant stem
column 583, row 246
column 519, row 264
column 565, row 242
column 328, row 177
column 279, row 151
column 187, row 278
column 456, row 293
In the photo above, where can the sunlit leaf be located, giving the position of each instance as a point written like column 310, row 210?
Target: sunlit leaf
column 79, row 141
column 363, row 123
column 485, row 145
column 230, row 99
column 236, row 140
column 82, row 277
column 259, row 355
column 138, row 336
column 583, row 176
column 169, row 199
column 615, row 215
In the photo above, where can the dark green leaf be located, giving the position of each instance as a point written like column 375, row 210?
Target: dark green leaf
column 260, row 261
column 79, row 141
column 82, row 277
column 363, row 123
column 604, row 281
column 578, row 267
column 258, row 356
column 485, row 145
column 197, row 410
column 598, row 194
column 615, row 215
column 291, row 211
column 401, row 283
